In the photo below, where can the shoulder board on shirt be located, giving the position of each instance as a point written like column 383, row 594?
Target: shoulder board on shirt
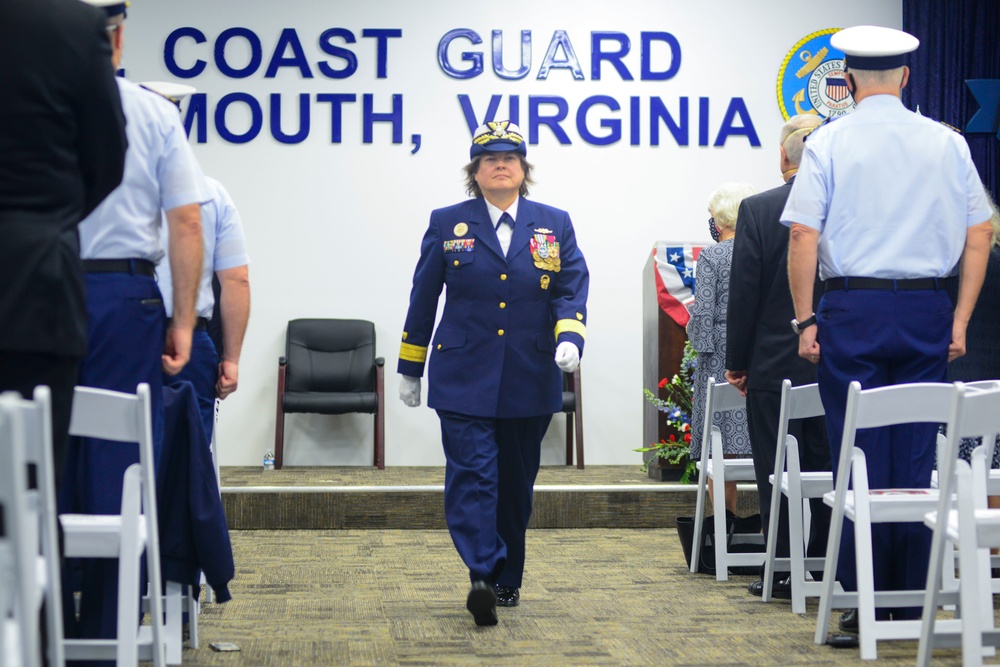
column 950, row 127
column 828, row 119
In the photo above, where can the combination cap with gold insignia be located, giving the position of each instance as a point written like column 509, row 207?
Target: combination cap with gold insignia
column 498, row 136
column 871, row 47
column 175, row 92
column 115, row 9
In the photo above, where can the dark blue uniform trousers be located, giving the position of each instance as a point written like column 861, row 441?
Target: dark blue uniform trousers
column 489, row 479
column 125, row 335
column 201, row 371
column 881, row 338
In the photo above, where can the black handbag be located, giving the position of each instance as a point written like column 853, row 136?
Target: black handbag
column 734, row 525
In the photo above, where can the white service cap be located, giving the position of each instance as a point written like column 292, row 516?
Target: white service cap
column 873, row 47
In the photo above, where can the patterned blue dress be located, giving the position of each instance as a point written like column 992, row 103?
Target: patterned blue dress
column 707, row 333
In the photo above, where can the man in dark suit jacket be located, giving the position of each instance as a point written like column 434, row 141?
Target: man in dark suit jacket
column 62, row 151
column 762, row 348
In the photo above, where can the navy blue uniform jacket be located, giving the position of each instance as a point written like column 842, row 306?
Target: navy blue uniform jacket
column 193, row 531
column 492, row 353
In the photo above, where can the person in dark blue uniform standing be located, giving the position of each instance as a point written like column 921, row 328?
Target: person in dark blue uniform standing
column 890, row 207
column 128, row 338
column 514, row 317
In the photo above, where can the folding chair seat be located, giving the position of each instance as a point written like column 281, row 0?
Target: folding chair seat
column 119, row 417
column 720, row 398
column 971, row 525
column 853, row 499
column 796, row 403
column 31, row 522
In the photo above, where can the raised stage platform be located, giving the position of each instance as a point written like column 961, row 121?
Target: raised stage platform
column 313, row 498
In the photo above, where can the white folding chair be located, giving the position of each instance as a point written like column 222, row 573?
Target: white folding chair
column 111, row 415
column 720, row 397
column 972, row 526
column 33, row 520
column 796, row 403
column 925, row 402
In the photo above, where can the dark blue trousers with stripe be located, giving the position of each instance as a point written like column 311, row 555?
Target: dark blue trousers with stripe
column 125, row 334
column 881, row 338
column 489, row 479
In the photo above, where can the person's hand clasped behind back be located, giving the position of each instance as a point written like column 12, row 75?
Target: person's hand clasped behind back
column 567, row 357
column 409, row 390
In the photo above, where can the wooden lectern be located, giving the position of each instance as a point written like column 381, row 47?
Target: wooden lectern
column 663, row 341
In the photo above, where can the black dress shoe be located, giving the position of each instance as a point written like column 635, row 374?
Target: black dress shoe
column 849, row 621
column 781, row 589
column 482, row 603
column 507, row 596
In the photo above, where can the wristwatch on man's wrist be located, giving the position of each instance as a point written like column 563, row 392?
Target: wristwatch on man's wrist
column 799, row 327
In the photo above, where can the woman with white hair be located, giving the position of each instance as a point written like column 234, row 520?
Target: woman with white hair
column 707, row 327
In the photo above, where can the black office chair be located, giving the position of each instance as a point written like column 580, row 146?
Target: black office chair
column 330, row 368
column 572, row 405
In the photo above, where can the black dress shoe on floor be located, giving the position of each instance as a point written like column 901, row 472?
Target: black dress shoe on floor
column 482, row 603
column 781, row 589
column 849, row 621
column 507, row 596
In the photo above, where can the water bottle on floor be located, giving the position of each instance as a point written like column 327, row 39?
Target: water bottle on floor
column 268, row 460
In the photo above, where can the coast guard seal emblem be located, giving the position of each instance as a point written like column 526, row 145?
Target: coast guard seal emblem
column 812, row 80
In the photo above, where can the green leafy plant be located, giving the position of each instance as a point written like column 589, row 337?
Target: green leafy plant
column 676, row 408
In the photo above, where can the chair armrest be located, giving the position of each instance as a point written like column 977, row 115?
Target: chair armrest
column 380, row 361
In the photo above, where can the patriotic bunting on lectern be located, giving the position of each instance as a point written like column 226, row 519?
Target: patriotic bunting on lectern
column 675, row 279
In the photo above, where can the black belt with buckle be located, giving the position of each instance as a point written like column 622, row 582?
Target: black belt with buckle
column 889, row 284
column 141, row 267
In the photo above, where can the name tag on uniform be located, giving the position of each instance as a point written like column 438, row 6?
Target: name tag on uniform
column 460, row 245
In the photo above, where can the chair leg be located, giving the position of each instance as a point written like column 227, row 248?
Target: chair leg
column 380, row 418
column 279, row 419
column 569, row 439
column 578, row 415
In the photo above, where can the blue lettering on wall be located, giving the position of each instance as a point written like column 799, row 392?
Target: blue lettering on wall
column 382, row 36
column 678, row 128
column 525, row 66
column 737, row 108
column 647, row 57
column 197, row 111
column 288, row 39
column 256, row 54
column 369, row 118
column 560, row 40
column 536, row 119
column 327, row 47
column 169, row 57
column 336, row 101
column 276, row 130
column 473, row 57
column 614, row 125
column 598, row 55
column 256, row 118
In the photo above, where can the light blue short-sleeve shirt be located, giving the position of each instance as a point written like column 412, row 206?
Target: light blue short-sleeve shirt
column 225, row 248
column 161, row 173
column 891, row 193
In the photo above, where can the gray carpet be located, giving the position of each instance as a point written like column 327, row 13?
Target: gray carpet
column 591, row 597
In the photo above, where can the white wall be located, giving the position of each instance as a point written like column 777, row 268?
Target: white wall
column 334, row 229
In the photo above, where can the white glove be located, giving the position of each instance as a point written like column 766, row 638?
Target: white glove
column 567, row 356
column 409, row 390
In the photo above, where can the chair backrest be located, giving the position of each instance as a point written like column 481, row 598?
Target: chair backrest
column 329, row 355
column 20, row 534
column 917, row 402
column 719, row 397
column 113, row 415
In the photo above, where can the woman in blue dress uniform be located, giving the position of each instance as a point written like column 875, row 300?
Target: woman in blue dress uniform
column 514, row 317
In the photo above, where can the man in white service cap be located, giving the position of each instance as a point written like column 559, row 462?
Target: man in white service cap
column 890, row 206
column 128, row 339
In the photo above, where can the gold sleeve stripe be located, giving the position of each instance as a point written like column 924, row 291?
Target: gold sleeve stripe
column 414, row 353
column 571, row 326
